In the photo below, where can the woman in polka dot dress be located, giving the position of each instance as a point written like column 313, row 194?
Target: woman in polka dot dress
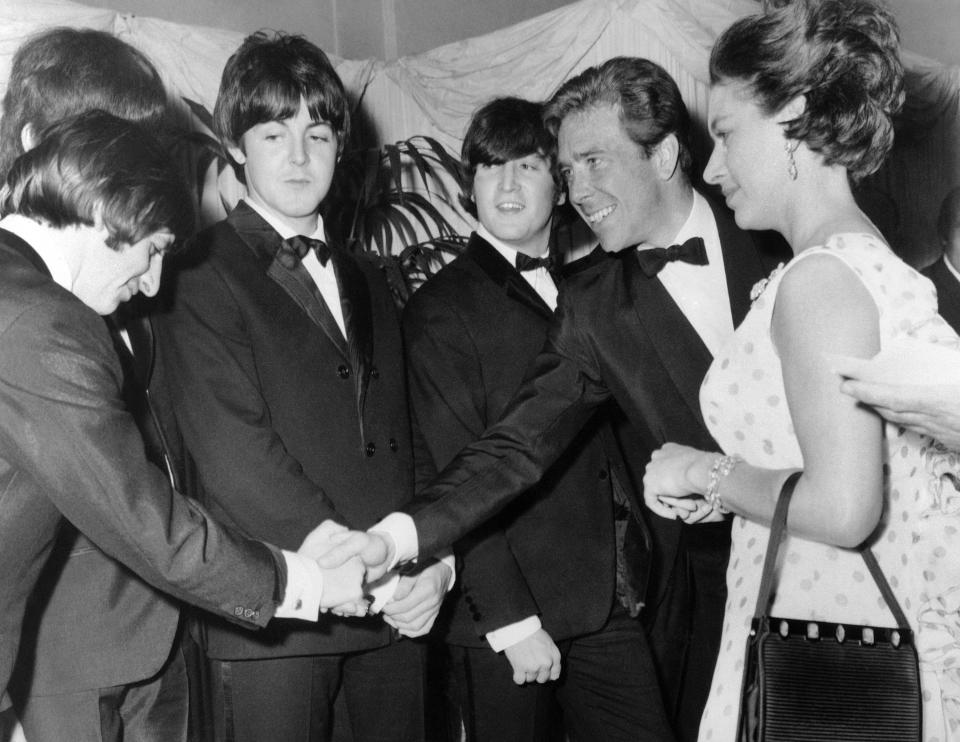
column 801, row 103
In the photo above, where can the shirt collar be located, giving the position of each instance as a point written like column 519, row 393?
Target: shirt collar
column 698, row 223
column 46, row 242
column 281, row 227
column 509, row 253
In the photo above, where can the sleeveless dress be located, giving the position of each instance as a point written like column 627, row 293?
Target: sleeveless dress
column 917, row 542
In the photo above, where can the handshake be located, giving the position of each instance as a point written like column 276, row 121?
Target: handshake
column 358, row 579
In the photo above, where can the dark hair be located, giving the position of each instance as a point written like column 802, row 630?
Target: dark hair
column 96, row 163
column 65, row 71
column 265, row 79
column 949, row 214
column 841, row 55
column 502, row 130
column 647, row 98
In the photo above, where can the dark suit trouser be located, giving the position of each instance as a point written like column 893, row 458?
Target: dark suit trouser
column 292, row 698
column 685, row 628
column 607, row 690
column 154, row 710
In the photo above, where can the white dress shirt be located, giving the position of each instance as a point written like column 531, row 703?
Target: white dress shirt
column 540, row 279
column 324, row 276
column 701, row 290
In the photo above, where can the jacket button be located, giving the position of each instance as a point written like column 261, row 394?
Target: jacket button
column 603, row 474
column 343, row 372
column 371, row 448
column 394, row 445
column 374, row 373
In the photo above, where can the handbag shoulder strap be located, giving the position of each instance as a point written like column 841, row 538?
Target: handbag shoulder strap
column 777, row 528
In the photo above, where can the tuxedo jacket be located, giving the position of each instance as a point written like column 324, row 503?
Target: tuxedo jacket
column 948, row 292
column 131, row 634
column 616, row 335
column 70, row 450
column 471, row 332
column 286, row 423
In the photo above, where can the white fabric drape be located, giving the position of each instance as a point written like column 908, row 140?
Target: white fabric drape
column 434, row 93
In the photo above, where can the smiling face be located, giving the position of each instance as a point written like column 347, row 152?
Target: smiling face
column 106, row 277
column 288, row 166
column 515, row 202
column 617, row 190
column 749, row 160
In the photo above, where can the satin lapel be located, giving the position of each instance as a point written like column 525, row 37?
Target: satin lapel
column 741, row 262
column 263, row 240
column 299, row 286
column 358, row 319
column 506, row 276
column 140, row 331
column 682, row 352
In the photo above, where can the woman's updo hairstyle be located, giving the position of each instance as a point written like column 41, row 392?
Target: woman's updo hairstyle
column 842, row 55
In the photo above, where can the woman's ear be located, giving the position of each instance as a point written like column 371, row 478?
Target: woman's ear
column 793, row 109
column 28, row 137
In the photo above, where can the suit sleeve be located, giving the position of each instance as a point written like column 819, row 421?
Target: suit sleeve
column 448, row 398
column 224, row 420
column 562, row 390
column 63, row 422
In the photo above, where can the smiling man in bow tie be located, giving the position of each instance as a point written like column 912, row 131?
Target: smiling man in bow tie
column 639, row 326
column 538, row 587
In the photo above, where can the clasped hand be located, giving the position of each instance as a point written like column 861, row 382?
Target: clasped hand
column 670, row 486
column 351, row 560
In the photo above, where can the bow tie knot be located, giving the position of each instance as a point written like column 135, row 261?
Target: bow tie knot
column 654, row 259
column 293, row 249
column 526, row 263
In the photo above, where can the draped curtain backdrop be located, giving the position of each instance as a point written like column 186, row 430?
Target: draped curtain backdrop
column 434, row 93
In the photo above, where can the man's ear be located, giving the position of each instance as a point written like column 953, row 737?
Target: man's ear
column 666, row 156
column 28, row 137
column 238, row 155
column 561, row 197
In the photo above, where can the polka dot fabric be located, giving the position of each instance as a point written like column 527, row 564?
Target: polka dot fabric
column 917, row 543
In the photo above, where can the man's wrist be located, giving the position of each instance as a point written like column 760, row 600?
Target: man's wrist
column 514, row 633
column 304, row 588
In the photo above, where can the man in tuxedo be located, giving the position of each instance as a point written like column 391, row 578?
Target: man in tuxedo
column 95, row 629
column 639, row 327
column 537, row 587
column 291, row 400
column 945, row 272
column 89, row 213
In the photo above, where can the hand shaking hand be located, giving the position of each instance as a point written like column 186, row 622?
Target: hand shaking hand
column 375, row 550
column 343, row 582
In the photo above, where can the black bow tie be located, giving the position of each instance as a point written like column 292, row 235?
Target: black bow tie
column 293, row 249
column 652, row 260
column 526, row 263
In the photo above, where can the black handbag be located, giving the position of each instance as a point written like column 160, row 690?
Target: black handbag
column 812, row 681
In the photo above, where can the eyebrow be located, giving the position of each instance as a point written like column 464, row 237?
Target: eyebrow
column 715, row 121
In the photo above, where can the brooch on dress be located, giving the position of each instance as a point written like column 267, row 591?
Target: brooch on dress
column 761, row 285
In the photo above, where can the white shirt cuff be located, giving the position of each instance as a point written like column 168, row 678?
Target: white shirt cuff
column 450, row 560
column 513, row 633
column 399, row 527
column 304, row 588
column 382, row 590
